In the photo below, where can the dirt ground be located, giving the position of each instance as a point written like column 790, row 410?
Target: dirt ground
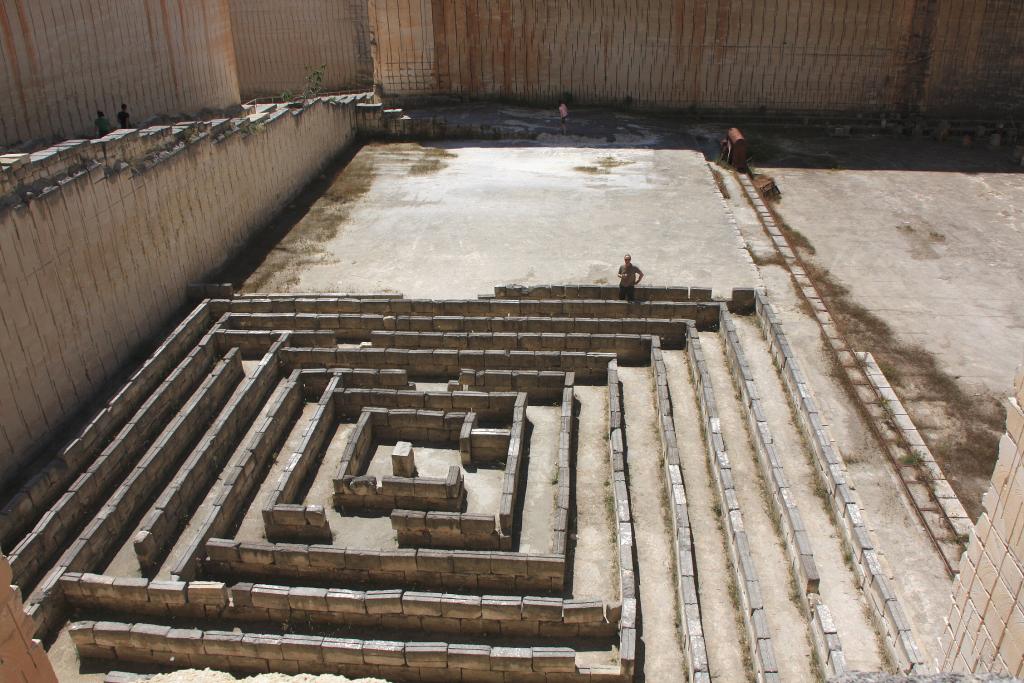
column 723, row 626
column 918, row 246
column 660, row 630
column 781, row 605
column 839, row 583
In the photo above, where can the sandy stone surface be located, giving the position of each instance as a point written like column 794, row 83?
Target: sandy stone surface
column 210, row 676
column 461, row 218
column 720, row 616
column 923, row 241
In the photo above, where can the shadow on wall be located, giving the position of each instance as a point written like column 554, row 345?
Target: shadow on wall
column 784, row 143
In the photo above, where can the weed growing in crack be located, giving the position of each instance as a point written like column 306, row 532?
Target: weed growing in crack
column 794, row 593
column 912, row 459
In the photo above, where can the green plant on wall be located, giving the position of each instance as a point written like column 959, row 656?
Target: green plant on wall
column 314, row 82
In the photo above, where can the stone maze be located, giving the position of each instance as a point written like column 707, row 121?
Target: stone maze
column 371, row 485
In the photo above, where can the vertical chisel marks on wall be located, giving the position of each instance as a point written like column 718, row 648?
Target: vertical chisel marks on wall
column 778, row 55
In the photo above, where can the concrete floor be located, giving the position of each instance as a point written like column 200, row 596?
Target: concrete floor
column 455, row 220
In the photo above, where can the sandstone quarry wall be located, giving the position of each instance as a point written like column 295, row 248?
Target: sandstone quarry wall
column 955, row 56
column 276, row 44
column 22, row 659
column 64, row 59
column 91, row 270
column 985, row 629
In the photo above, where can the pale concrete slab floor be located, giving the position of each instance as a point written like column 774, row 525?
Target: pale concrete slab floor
column 455, row 220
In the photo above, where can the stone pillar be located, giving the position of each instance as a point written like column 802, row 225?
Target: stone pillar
column 985, row 627
column 22, row 659
column 403, row 460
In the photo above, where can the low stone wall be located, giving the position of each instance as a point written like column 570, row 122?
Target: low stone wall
column 539, row 386
column 796, row 540
column 35, row 495
column 480, row 571
column 243, row 475
column 402, row 610
column 314, row 382
column 513, row 468
column 705, row 314
column 606, row 292
column 253, row 343
column 293, row 653
column 443, row 494
column 448, row 530
column 284, row 517
column 444, row 364
column 738, row 544
column 492, row 407
column 97, row 543
column 357, row 326
column 893, row 408
column 169, row 514
column 691, row 623
column 628, row 347
column 885, row 608
column 567, row 437
column 65, row 518
column 629, row 622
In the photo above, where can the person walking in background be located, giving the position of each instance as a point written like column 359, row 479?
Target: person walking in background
column 123, row 117
column 563, row 111
column 629, row 277
column 102, row 124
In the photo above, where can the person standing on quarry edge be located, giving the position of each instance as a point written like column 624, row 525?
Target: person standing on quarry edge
column 563, row 111
column 629, row 277
column 102, row 124
column 124, row 118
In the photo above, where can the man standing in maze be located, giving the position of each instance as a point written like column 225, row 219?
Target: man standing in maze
column 629, row 277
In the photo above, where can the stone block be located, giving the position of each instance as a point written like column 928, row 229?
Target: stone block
column 515, row 659
column 302, row 648
column 582, row 611
column 384, row 652
column 185, row 641
column 307, row 599
column 345, row 651
column 268, row 596
column 403, row 460
column 210, row 593
column 471, row 657
column 112, row 634
column 222, row 643
column 542, row 609
column 421, row 604
column 498, row 608
column 509, row 564
column 427, row 655
column 461, row 606
column 342, row 601
column 131, row 589
column 384, row 602
column 256, row 553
